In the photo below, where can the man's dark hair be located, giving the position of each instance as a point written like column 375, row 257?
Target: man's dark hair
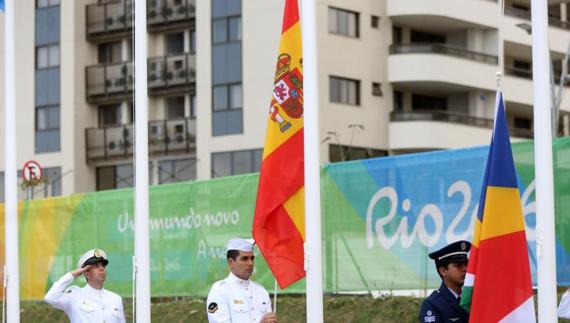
column 441, row 264
column 232, row 254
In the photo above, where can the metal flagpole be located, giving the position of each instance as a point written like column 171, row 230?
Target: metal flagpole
column 275, row 297
column 313, row 243
column 546, row 266
column 142, row 257
column 10, row 175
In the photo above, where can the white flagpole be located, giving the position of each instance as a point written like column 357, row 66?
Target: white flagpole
column 10, row 175
column 142, row 254
column 313, row 248
column 545, row 248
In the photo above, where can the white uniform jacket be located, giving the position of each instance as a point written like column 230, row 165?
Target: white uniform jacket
column 564, row 307
column 86, row 304
column 237, row 301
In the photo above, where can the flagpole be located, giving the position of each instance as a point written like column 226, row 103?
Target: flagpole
column 142, row 258
column 545, row 239
column 313, row 248
column 11, row 182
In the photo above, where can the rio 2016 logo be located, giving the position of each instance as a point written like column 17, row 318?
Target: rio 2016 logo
column 379, row 228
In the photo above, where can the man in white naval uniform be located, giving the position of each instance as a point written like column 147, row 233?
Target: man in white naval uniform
column 92, row 303
column 237, row 299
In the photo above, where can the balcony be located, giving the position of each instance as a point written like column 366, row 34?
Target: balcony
column 446, row 116
column 171, row 74
column 445, row 130
column 443, row 49
column 109, row 82
column 526, row 15
column 165, row 137
column 109, row 20
column 112, row 20
column 443, row 15
column 440, row 66
column 167, row 14
column 166, row 75
column 527, row 74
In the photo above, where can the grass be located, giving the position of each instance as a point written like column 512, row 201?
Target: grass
column 290, row 308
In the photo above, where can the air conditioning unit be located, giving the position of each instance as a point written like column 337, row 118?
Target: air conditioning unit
column 112, row 146
column 156, row 134
column 152, row 13
column 179, row 133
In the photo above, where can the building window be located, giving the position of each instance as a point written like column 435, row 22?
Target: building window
column 343, row 22
column 423, row 37
column 227, row 109
column 396, row 35
column 47, row 129
column 108, row 53
column 172, row 171
column 236, row 162
column 47, row 3
column 175, row 43
column 343, row 90
column 376, row 89
column 53, row 184
column 113, row 177
column 193, row 41
column 431, row 103
column 193, row 106
column 227, row 101
column 340, row 153
column 375, row 21
column 522, row 123
column 47, row 56
column 226, row 30
column 227, row 97
column 110, row 115
column 175, row 108
column 398, row 101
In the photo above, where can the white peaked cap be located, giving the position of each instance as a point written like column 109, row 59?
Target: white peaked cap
column 240, row 244
column 92, row 256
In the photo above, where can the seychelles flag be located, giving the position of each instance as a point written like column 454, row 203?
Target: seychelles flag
column 498, row 286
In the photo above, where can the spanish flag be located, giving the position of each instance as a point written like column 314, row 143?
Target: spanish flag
column 498, row 286
column 279, row 220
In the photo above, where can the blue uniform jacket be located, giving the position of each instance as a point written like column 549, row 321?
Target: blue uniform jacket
column 442, row 306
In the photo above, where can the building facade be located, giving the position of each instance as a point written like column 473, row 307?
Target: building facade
column 394, row 77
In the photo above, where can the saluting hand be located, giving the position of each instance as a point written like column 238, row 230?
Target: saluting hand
column 269, row 318
column 79, row 271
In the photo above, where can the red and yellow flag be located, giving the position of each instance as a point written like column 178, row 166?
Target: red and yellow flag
column 279, row 220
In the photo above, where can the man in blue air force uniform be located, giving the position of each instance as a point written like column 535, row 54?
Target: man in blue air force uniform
column 443, row 304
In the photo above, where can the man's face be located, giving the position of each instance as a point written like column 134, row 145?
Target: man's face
column 454, row 273
column 242, row 267
column 96, row 273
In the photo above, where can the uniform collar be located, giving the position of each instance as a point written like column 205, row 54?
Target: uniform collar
column 94, row 291
column 453, row 292
column 238, row 281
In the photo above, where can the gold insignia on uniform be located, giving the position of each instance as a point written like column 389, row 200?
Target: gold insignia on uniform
column 98, row 253
column 212, row 307
column 238, row 301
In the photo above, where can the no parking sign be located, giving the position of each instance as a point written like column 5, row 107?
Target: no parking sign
column 32, row 171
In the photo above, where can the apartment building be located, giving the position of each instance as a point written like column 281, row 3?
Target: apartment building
column 395, row 77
